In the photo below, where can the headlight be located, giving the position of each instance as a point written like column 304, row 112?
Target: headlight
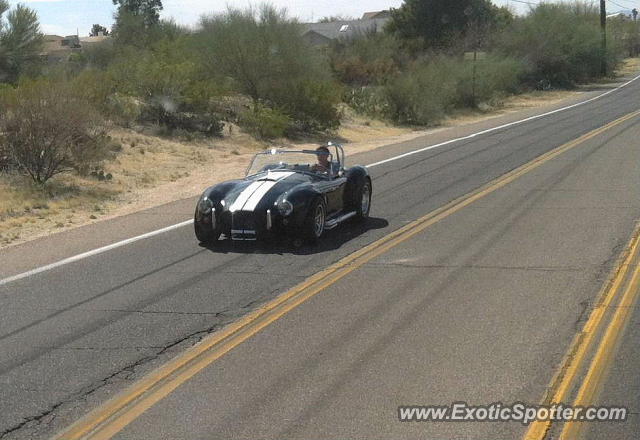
column 285, row 207
column 205, row 206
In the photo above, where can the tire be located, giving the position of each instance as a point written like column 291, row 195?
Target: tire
column 204, row 235
column 313, row 226
column 363, row 201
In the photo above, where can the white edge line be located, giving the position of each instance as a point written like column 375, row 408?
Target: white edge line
column 93, row 252
column 375, row 164
column 511, row 124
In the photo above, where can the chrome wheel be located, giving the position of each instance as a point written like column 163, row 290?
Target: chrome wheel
column 319, row 218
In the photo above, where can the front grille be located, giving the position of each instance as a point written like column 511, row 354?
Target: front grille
column 243, row 220
column 243, row 226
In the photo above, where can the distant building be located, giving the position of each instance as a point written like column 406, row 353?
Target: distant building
column 377, row 15
column 319, row 34
column 58, row 49
column 86, row 42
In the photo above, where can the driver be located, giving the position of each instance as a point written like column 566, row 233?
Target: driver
column 323, row 165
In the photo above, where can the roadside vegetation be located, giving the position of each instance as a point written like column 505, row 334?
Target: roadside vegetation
column 157, row 101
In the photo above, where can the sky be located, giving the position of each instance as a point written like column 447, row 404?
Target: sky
column 66, row 17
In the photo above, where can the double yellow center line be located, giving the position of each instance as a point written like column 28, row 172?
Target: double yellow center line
column 583, row 342
column 114, row 415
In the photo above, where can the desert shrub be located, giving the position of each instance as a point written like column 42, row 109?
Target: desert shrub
column 147, row 74
column 5, row 159
column 422, row 94
column 313, row 106
column 495, row 77
column 367, row 59
column 48, row 128
column 100, row 55
column 264, row 54
column 264, row 122
column 124, row 110
column 559, row 42
column 369, row 101
column 231, row 107
column 95, row 85
column 164, row 85
column 626, row 35
column 429, row 89
column 167, row 114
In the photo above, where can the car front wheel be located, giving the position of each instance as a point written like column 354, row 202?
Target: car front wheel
column 206, row 235
column 314, row 223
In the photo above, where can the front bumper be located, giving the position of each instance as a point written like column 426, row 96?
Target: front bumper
column 253, row 225
column 248, row 225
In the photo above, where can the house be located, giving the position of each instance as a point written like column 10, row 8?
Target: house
column 320, row 34
column 87, row 42
column 377, row 14
column 58, row 49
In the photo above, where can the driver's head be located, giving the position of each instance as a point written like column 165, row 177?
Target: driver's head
column 323, row 156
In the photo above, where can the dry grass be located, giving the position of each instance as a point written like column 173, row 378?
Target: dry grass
column 145, row 162
column 630, row 66
column 151, row 170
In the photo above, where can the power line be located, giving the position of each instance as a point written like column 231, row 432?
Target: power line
column 525, row 2
column 617, row 4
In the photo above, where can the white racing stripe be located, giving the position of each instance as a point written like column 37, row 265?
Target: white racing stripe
column 244, row 196
column 252, row 194
column 264, row 189
column 391, row 159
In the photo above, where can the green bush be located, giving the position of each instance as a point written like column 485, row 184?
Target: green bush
column 429, row 89
column 264, row 54
column 167, row 114
column 495, row 77
column 125, row 110
column 423, row 94
column 368, row 101
column 367, row 59
column 560, row 43
column 264, row 122
column 313, row 106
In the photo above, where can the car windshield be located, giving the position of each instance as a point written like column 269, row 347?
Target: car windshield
column 301, row 161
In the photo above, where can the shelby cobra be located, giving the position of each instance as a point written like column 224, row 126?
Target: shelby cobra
column 298, row 193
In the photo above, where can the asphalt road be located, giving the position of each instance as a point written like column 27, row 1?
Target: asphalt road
column 622, row 388
column 479, row 307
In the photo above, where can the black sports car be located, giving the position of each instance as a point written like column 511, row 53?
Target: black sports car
column 299, row 193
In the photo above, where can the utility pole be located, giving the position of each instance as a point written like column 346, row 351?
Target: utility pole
column 603, row 26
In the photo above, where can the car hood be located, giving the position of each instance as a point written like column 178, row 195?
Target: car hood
column 261, row 191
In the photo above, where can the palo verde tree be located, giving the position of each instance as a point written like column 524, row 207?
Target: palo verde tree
column 134, row 20
column 98, row 29
column 263, row 52
column 20, row 41
column 441, row 23
column 148, row 10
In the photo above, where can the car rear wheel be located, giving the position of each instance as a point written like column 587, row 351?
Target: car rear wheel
column 363, row 206
column 315, row 221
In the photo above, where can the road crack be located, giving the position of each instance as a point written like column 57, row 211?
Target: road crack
column 126, row 373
